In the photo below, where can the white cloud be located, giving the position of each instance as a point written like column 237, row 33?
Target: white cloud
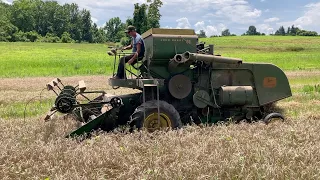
column 273, row 19
column 199, row 24
column 311, row 16
column 103, row 10
column 241, row 14
column 209, row 29
column 183, row 23
column 102, row 4
column 238, row 11
column 94, row 20
column 265, row 28
column 310, row 19
column 201, row 5
column 7, row 2
column 267, row 10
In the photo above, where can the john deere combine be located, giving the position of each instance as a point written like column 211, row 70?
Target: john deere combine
column 180, row 81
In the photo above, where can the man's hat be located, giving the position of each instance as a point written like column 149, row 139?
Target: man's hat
column 130, row 28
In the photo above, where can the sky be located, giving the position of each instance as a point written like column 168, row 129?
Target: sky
column 214, row 16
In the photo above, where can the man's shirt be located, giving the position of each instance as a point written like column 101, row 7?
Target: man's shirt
column 135, row 41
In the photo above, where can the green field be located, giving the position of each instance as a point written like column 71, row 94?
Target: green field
column 46, row 59
column 56, row 59
column 289, row 53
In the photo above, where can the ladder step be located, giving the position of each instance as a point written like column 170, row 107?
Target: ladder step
column 150, row 85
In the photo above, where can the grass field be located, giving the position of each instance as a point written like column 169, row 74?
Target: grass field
column 32, row 149
column 45, row 59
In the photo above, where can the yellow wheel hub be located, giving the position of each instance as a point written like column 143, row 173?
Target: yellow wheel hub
column 152, row 123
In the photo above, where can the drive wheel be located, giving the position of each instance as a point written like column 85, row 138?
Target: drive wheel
column 169, row 117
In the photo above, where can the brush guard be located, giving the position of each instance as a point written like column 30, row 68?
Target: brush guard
column 99, row 113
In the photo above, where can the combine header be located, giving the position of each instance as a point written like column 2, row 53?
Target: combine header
column 180, row 81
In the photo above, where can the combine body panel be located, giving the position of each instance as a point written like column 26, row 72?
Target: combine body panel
column 181, row 81
column 163, row 44
column 271, row 83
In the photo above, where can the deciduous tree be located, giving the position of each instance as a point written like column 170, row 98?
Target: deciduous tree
column 225, row 33
column 202, row 34
column 140, row 19
column 154, row 13
column 252, row 31
column 114, row 29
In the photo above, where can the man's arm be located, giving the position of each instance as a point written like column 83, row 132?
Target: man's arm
column 136, row 53
column 128, row 47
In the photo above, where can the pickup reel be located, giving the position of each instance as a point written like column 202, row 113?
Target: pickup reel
column 67, row 101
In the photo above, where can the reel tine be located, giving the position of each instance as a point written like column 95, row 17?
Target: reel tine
column 49, row 115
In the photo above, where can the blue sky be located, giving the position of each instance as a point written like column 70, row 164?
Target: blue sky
column 213, row 16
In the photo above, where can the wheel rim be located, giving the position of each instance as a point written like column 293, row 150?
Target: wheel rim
column 151, row 122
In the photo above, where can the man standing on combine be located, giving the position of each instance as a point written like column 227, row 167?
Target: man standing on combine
column 138, row 49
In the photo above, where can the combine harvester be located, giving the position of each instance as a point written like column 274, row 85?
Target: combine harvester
column 180, row 81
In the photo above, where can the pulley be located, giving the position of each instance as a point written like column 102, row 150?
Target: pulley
column 180, row 86
column 65, row 103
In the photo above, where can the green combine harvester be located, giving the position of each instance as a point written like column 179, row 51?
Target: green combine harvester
column 181, row 81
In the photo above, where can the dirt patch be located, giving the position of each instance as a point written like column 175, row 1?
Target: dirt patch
column 302, row 73
column 23, row 89
column 38, row 83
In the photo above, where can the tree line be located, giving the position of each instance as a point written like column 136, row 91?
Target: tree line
column 294, row 31
column 252, row 31
column 48, row 21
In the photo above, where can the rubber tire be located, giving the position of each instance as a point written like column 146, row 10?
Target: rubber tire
column 151, row 107
column 268, row 117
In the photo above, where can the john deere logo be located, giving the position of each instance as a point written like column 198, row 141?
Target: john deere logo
column 269, row 82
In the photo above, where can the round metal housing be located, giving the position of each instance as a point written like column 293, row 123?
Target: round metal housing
column 180, row 86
